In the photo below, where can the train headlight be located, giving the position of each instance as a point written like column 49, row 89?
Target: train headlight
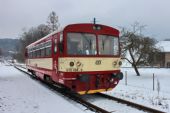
column 111, row 80
column 118, row 75
column 71, row 64
column 114, row 63
column 120, row 63
column 113, row 75
column 97, row 27
column 78, row 64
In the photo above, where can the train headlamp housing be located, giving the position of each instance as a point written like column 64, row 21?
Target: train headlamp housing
column 71, row 64
column 114, row 63
column 97, row 27
column 118, row 75
column 120, row 63
column 78, row 64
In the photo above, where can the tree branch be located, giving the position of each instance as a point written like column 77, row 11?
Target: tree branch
column 139, row 59
column 127, row 60
column 132, row 56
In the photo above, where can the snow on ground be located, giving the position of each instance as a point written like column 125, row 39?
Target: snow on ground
column 139, row 89
column 110, row 105
column 20, row 94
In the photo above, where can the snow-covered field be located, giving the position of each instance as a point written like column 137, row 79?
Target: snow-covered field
column 20, row 94
column 139, row 89
column 110, row 105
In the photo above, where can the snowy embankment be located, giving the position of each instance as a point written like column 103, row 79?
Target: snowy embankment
column 20, row 94
column 139, row 89
column 111, row 105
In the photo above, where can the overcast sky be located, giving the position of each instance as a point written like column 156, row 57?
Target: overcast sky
column 18, row 14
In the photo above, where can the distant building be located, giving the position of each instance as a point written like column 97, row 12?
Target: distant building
column 165, row 54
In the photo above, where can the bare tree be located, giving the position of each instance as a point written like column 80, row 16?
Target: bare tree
column 53, row 22
column 138, row 46
column 32, row 35
column 36, row 33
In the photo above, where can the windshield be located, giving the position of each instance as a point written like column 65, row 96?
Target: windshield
column 81, row 44
column 108, row 45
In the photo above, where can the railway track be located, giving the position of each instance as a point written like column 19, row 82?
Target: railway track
column 91, row 106
column 132, row 104
column 72, row 96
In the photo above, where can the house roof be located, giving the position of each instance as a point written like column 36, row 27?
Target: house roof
column 164, row 46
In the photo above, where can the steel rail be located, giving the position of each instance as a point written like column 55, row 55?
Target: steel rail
column 132, row 104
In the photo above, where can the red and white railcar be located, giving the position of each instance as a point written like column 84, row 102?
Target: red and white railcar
column 83, row 57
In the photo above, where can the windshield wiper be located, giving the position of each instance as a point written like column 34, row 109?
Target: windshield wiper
column 103, row 44
column 103, row 41
column 89, row 41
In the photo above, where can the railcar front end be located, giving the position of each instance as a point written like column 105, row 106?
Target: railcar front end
column 83, row 57
column 91, row 58
column 90, row 75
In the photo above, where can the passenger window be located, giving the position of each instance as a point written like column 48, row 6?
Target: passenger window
column 48, row 48
column 48, row 51
column 55, row 45
column 42, row 52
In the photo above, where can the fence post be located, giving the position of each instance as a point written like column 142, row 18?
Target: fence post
column 153, row 82
column 126, row 78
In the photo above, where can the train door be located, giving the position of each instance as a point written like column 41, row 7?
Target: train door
column 55, row 56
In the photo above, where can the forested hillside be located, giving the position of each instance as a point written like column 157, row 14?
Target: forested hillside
column 9, row 45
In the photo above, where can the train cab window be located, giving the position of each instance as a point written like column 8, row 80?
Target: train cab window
column 81, row 44
column 116, row 46
column 108, row 45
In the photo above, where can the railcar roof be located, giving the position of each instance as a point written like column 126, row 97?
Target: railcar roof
column 44, row 37
column 90, row 24
column 87, row 24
